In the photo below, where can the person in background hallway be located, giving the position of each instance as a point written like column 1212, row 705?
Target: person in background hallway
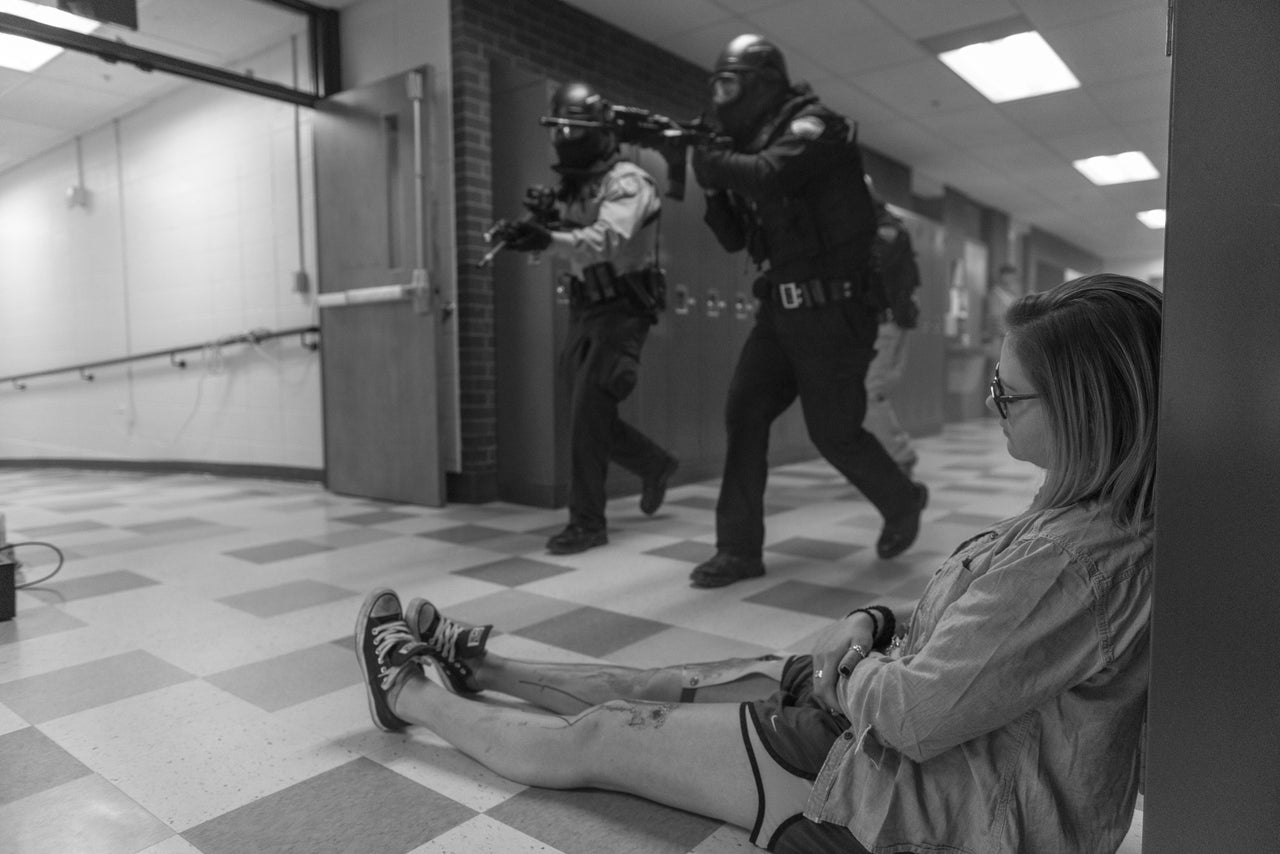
column 1000, row 296
column 1004, row 717
column 789, row 189
column 895, row 259
column 605, row 224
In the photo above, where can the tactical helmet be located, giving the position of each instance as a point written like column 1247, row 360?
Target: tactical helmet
column 749, row 80
column 580, row 147
column 752, row 53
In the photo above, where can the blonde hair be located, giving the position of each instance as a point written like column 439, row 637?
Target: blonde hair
column 1091, row 349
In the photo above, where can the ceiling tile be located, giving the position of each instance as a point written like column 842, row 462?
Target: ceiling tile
column 1134, row 98
column 975, row 127
column 800, row 21
column 921, row 87
column 924, row 18
column 1115, row 46
column 657, row 20
column 853, row 103
column 54, row 104
column 1057, row 114
column 847, row 52
column 905, row 141
column 1046, row 14
column 1076, row 146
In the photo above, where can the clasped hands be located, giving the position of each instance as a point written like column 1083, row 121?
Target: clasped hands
column 834, row 656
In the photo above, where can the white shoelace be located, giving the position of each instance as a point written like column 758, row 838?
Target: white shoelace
column 388, row 636
column 444, row 637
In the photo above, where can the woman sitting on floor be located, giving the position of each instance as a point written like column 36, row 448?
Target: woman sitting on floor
column 1005, row 718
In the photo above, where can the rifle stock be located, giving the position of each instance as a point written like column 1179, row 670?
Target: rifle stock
column 669, row 138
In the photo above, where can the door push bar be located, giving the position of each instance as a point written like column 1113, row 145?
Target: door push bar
column 417, row 290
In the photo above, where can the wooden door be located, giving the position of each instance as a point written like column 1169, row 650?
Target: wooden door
column 378, row 359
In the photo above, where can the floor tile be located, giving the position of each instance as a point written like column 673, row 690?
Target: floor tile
column 514, row 571
column 375, row 517
column 484, row 835
column 272, row 552
column 34, row 621
column 32, row 764
column 589, row 822
column 819, row 600
column 465, row 533
column 88, row 686
column 289, row 679
column 293, row 596
column 816, row 549
column 358, row 807
column 96, row 585
column 191, row 752
column 590, row 631
column 86, row 815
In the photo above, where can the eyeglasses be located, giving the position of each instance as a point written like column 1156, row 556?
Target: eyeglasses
column 1003, row 400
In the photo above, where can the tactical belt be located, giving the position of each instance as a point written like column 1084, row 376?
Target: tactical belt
column 598, row 284
column 601, row 284
column 813, row 293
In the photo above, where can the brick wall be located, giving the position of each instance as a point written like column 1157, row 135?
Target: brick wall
column 563, row 43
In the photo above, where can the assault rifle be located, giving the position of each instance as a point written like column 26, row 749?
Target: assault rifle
column 540, row 207
column 647, row 129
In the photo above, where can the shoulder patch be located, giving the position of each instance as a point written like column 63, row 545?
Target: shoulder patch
column 627, row 185
column 807, row 127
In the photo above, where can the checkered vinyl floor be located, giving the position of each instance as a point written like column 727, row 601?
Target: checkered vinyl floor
column 186, row 683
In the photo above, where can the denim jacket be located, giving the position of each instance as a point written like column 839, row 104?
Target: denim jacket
column 1009, row 720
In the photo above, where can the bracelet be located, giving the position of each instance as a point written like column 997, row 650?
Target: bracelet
column 885, row 638
column 875, row 621
column 882, row 633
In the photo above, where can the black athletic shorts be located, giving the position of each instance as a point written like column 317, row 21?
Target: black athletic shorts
column 788, row 736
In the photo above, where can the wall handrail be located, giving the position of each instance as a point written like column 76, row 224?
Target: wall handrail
column 307, row 335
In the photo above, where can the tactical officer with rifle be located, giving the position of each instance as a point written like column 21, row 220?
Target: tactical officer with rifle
column 789, row 189
column 604, row 220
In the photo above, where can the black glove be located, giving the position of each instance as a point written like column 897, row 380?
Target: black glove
column 528, row 236
column 540, row 201
column 705, row 162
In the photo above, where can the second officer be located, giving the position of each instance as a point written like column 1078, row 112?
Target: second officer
column 789, row 189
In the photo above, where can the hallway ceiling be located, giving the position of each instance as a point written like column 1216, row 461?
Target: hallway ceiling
column 866, row 58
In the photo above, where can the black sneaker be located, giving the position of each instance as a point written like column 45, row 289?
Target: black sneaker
column 449, row 642
column 385, row 649
column 654, row 489
column 574, row 539
column 898, row 535
column 724, row 569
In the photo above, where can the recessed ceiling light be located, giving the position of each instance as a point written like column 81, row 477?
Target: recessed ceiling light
column 1018, row 66
column 1117, row 168
column 1153, row 218
column 22, row 54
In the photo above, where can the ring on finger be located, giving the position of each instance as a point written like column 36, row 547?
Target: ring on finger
column 817, row 674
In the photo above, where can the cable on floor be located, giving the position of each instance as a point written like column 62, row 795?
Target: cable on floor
column 12, row 549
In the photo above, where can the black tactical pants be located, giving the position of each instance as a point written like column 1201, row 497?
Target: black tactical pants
column 600, row 365
column 821, row 356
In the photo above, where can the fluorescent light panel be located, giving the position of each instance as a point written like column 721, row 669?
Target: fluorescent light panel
column 1018, row 66
column 1153, row 219
column 1117, row 168
column 22, row 54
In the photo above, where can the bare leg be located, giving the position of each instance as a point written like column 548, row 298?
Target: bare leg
column 572, row 688
column 687, row 756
